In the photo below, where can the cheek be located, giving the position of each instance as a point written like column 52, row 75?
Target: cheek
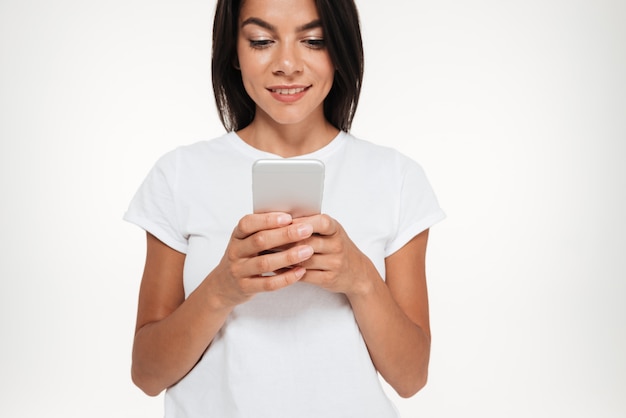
column 249, row 86
column 252, row 61
column 329, row 79
column 253, row 71
column 250, row 73
column 326, row 69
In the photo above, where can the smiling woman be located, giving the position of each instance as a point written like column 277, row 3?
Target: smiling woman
column 517, row 110
column 345, row 301
column 341, row 36
column 285, row 67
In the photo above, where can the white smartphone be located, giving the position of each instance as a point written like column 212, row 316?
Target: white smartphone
column 294, row 186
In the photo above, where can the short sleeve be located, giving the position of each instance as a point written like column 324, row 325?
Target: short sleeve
column 418, row 208
column 153, row 208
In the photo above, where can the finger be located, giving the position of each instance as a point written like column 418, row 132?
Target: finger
column 316, row 277
column 263, row 241
column 322, row 224
column 325, row 244
column 274, row 262
column 279, row 281
column 253, row 223
column 319, row 262
column 260, row 284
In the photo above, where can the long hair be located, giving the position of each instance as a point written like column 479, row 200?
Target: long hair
column 342, row 34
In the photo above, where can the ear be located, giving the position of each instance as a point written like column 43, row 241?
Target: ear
column 236, row 63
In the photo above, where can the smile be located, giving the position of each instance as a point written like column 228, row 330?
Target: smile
column 288, row 91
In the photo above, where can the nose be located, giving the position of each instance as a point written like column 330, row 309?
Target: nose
column 288, row 60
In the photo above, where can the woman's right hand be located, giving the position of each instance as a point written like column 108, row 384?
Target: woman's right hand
column 249, row 266
column 173, row 331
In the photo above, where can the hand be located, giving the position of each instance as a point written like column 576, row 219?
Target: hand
column 337, row 264
column 248, row 267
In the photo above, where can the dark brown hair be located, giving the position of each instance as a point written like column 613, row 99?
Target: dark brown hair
column 342, row 33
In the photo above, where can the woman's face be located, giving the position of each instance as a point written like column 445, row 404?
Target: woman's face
column 285, row 66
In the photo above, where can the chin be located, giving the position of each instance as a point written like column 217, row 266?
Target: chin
column 294, row 118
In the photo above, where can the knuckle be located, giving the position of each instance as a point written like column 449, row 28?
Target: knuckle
column 244, row 225
column 334, row 263
column 234, row 270
column 292, row 257
column 335, row 247
column 332, row 245
column 325, row 221
column 291, row 234
column 231, row 254
column 259, row 241
column 243, row 290
column 329, row 279
column 263, row 264
column 271, row 285
column 244, row 287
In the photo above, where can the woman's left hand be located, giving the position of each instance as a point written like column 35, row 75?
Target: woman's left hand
column 337, row 264
column 392, row 314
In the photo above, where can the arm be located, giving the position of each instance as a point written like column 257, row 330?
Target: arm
column 394, row 319
column 172, row 332
column 392, row 314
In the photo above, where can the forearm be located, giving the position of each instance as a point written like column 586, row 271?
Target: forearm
column 173, row 332
column 166, row 350
column 400, row 349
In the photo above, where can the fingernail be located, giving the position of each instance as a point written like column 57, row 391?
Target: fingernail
column 304, row 230
column 305, row 252
column 284, row 219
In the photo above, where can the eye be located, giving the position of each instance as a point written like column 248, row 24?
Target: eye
column 315, row 43
column 260, row 43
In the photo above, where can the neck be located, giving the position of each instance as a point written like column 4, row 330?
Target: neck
column 288, row 140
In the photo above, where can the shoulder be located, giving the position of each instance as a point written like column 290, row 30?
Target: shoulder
column 375, row 156
column 196, row 153
column 200, row 149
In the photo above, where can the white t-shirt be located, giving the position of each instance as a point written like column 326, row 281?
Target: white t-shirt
column 296, row 352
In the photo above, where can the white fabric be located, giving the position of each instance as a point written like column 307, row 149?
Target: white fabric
column 296, row 352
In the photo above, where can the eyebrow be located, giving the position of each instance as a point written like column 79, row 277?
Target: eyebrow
column 262, row 23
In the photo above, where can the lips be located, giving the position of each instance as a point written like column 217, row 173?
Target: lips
column 288, row 94
column 288, row 91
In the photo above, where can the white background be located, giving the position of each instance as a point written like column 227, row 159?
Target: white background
column 516, row 109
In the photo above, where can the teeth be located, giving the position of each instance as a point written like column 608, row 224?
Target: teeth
column 288, row 91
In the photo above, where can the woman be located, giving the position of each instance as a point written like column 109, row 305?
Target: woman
column 348, row 300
